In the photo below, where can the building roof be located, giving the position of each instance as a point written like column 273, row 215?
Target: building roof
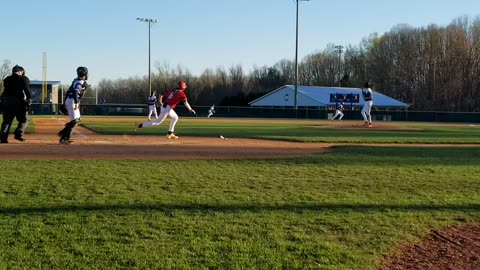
column 319, row 96
column 48, row 82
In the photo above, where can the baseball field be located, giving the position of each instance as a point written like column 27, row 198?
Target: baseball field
column 272, row 194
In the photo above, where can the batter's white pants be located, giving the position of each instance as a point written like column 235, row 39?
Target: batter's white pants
column 152, row 109
column 337, row 113
column 72, row 113
column 367, row 108
column 164, row 112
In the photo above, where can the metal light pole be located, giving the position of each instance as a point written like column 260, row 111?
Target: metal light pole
column 150, row 22
column 339, row 48
column 296, row 59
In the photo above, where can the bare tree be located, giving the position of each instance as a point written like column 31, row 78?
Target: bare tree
column 5, row 70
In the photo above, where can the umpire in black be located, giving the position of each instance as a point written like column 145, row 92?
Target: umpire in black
column 15, row 102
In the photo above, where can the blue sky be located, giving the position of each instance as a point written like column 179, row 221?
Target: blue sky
column 105, row 36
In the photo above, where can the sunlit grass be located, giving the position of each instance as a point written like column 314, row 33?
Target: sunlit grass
column 302, row 131
column 340, row 210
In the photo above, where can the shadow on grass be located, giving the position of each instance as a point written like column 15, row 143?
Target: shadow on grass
column 232, row 208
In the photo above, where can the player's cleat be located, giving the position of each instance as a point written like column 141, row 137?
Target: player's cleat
column 19, row 138
column 172, row 136
column 65, row 141
column 138, row 126
column 370, row 125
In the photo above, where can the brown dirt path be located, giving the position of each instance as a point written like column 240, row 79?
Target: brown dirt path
column 89, row 145
column 454, row 248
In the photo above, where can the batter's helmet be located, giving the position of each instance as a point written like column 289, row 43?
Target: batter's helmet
column 181, row 85
column 17, row 68
column 82, row 71
column 367, row 85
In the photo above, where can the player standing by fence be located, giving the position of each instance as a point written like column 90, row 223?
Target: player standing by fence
column 172, row 98
column 152, row 105
column 367, row 107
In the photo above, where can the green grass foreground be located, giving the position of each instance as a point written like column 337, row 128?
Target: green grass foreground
column 302, row 131
column 340, row 210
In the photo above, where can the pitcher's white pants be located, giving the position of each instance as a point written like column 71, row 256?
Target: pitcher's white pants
column 367, row 108
column 164, row 112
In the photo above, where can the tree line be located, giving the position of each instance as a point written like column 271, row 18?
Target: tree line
column 435, row 68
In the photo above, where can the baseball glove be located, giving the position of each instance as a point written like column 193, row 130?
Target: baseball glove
column 62, row 109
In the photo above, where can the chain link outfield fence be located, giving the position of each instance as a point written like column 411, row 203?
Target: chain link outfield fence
column 269, row 112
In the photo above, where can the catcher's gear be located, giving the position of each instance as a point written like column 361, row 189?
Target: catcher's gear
column 82, row 92
column 181, row 85
column 82, row 71
column 62, row 109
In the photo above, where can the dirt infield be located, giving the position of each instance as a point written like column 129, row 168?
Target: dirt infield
column 456, row 247
column 89, row 145
column 450, row 248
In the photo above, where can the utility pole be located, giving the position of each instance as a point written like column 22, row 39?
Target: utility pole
column 150, row 22
column 339, row 49
column 296, row 59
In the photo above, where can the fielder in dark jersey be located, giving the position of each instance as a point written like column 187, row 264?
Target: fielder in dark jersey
column 172, row 98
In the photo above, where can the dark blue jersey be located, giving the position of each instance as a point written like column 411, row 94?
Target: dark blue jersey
column 367, row 94
column 152, row 100
column 75, row 91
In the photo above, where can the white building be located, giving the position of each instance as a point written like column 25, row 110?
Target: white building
column 321, row 97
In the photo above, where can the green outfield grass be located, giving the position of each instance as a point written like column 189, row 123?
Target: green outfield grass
column 302, row 131
column 340, row 210
column 344, row 209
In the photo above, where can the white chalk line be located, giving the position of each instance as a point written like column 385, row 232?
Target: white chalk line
column 83, row 136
